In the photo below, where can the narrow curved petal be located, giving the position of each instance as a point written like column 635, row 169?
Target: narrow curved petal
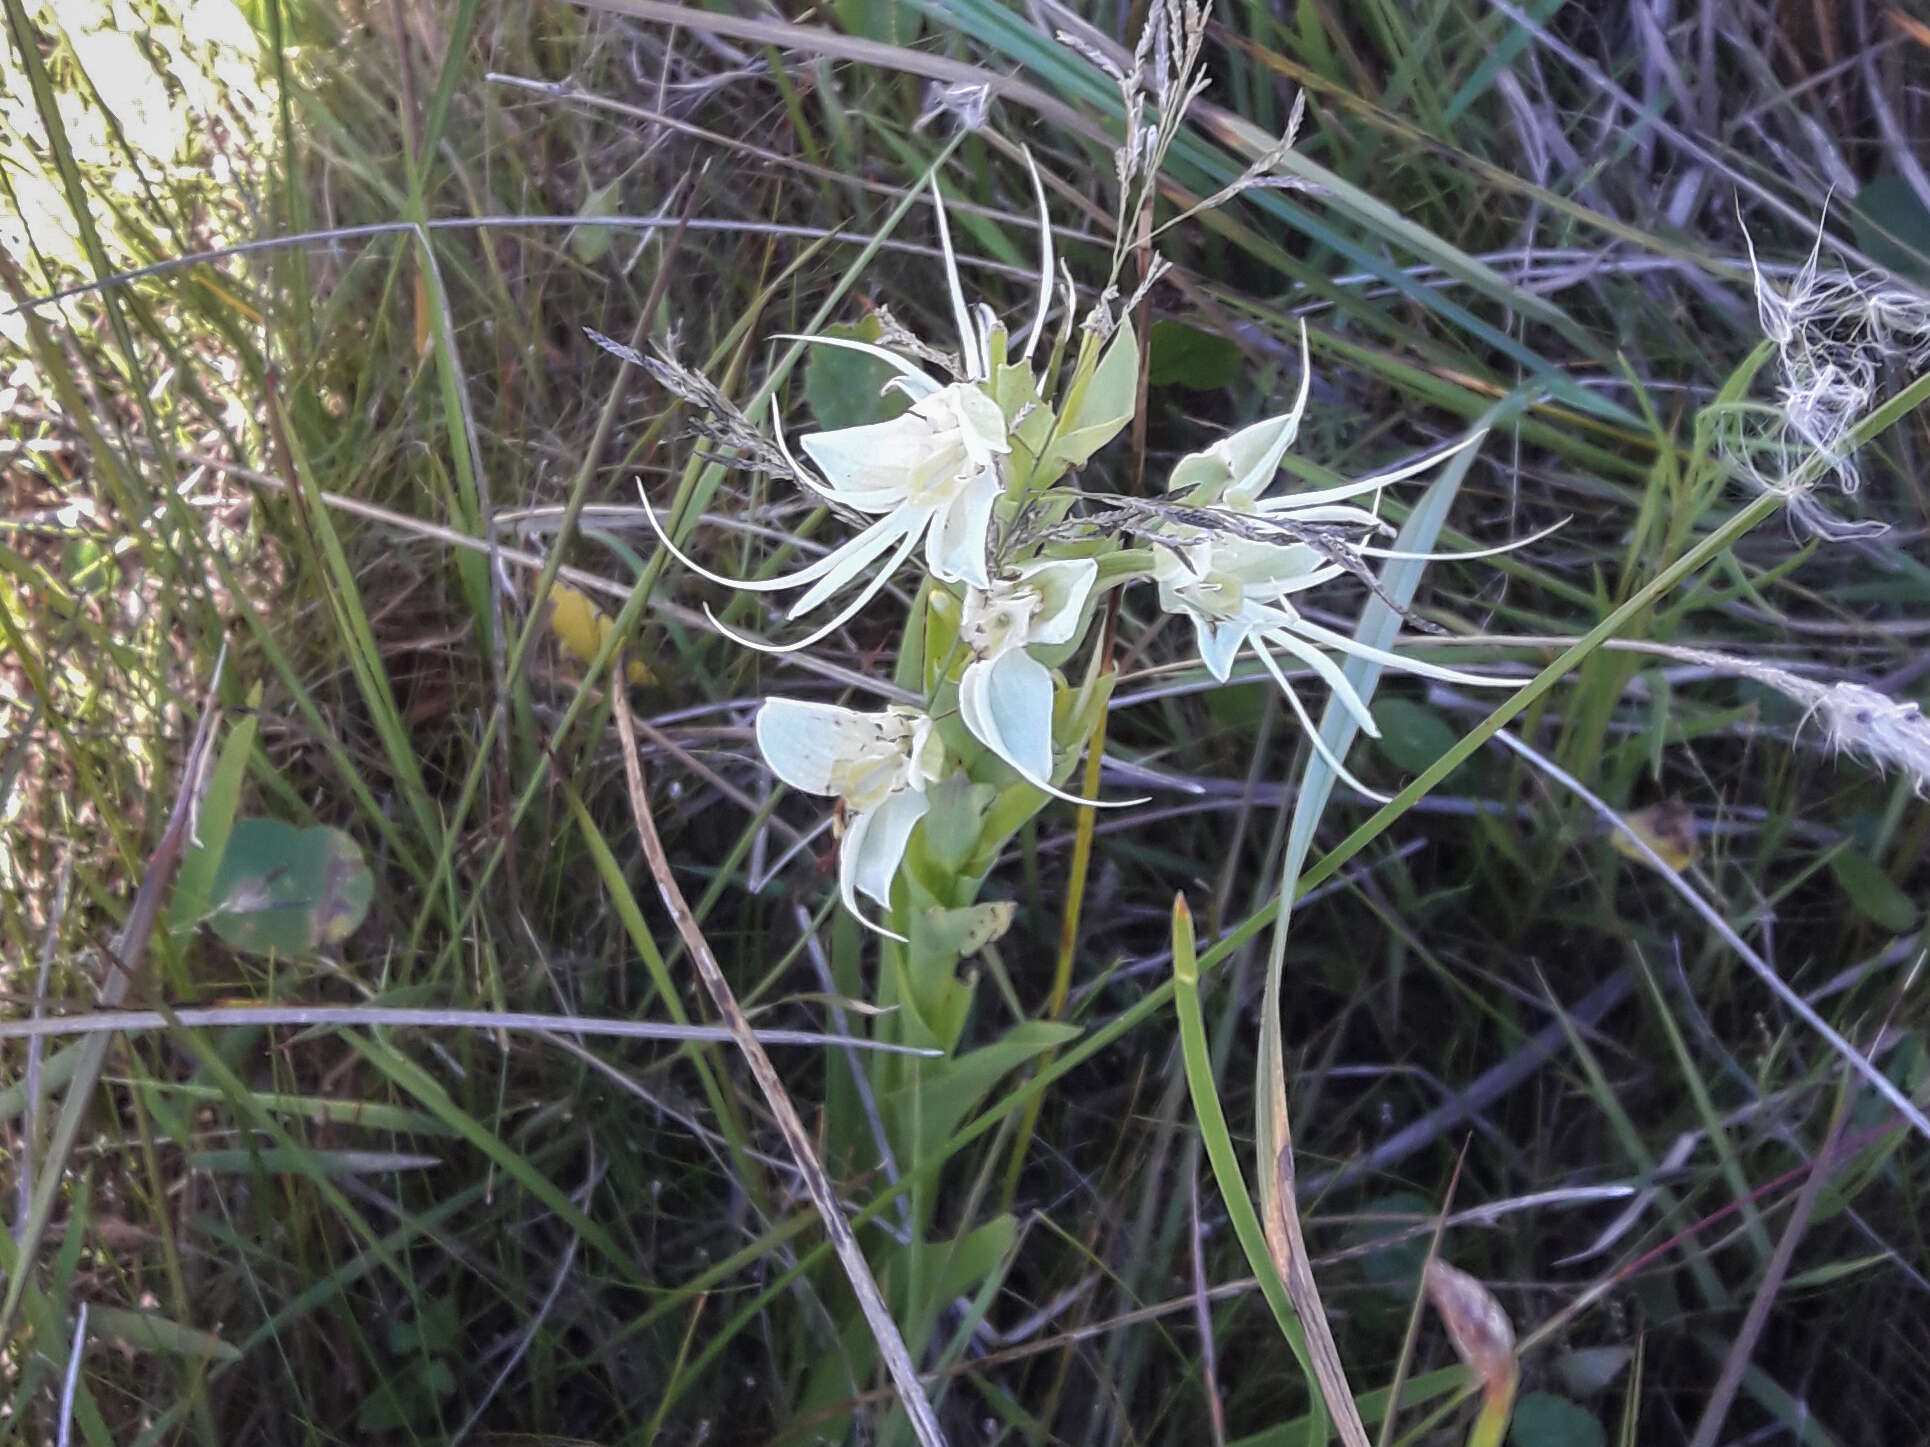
column 967, row 342
column 798, row 579
column 1295, row 501
column 913, row 381
column 955, row 550
column 1313, row 733
column 1418, row 667
column 858, row 553
column 1045, row 258
column 803, row 742
column 871, row 590
column 1494, row 551
column 1064, row 586
column 875, row 845
column 1253, row 455
column 1330, row 674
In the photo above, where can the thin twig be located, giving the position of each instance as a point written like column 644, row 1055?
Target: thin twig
column 891, row 1345
column 377, row 1017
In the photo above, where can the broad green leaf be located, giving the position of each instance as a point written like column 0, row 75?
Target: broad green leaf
column 194, row 884
column 1544, row 1420
column 148, row 1332
column 846, row 388
column 1183, row 356
column 1892, row 226
column 973, row 1257
column 1413, row 735
column 948, row 1090
column 590, row 244
column 289, row 891
column 1872, row 893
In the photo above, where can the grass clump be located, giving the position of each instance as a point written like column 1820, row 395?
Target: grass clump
column 357, row 509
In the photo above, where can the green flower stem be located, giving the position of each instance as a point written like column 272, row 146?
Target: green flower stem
column 1068, row 944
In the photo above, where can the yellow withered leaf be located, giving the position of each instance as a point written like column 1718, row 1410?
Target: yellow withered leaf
column 581, row 627
column 1668, row 828
column 1483, row 1338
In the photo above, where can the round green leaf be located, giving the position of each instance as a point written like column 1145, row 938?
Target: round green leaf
column 288, row 891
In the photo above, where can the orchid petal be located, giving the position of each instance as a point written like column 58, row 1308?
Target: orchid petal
column 798, row 469
column 1309, row 580
column 1045, row 258
column 1253, row 454
column 875, row 844
column 874, row 462
column 967, row 342
column 915, row 382
column 857, row 554
column 1476, row 553
column 1330, row 674
column 1064, row 585
column 955, row 549
column 1313, row 734
column 1418, row 667
column 803, row 742
column 871, row 590
column 1220, row 643
column 848, row 861
column 798, row 579
column 1006, row 703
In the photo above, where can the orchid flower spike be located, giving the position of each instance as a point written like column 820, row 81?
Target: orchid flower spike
column 875, row 764
column 930, row 475
column 1005, row 694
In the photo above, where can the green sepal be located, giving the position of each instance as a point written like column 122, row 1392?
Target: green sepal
column 1097, row 409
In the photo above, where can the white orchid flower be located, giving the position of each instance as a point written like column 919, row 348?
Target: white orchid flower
column 875, row 764
column 1005, row 694
column 1236, row 470
column 1236, row 592
column 932, row 474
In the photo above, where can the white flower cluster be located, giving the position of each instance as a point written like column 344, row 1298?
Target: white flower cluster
column 968, row 472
